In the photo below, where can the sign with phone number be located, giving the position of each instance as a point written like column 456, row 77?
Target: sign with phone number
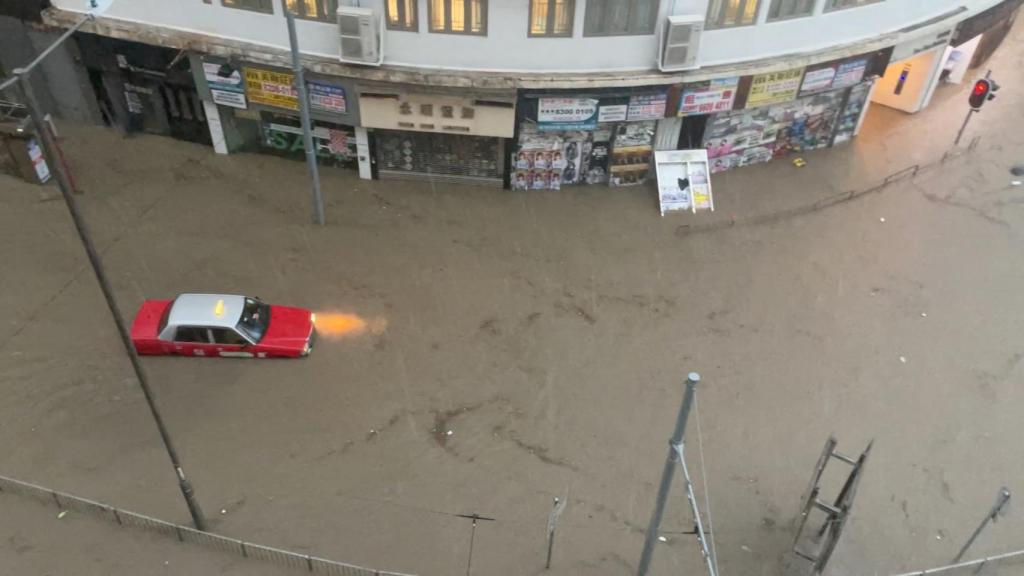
column 567, row 113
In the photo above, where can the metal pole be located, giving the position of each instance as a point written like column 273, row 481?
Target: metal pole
column 666, row 475
column 963, row 126
column 307, row 130
column 42, row 130
column 556, row 511
column 108, row 294
column 997, row 508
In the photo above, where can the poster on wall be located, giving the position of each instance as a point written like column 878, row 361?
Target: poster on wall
column 820, row 79
column 614, row 113
column 546, row 161
column 846, row 124
column 632, row 146
column 35, row 154
column 226, row 90
column 327, row 97
column 646, row 107
column 334, row 144
column 684, row 181
column 709, row 96
column 271, row 88
column 850, row 72
column 774, row 87
column 567, row 113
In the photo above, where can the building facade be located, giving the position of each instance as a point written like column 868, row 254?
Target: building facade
column 527, row 94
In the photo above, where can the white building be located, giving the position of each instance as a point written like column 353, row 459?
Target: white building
column 458, row 87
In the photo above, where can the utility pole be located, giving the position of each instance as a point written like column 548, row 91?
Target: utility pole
column 1001, row 501
column 666, row 474
column 49, row 150
column 307, row 129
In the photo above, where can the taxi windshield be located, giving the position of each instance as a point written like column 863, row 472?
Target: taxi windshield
column 255, row 319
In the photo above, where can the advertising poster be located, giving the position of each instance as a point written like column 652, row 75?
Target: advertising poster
column 35, row 154
column 229, row 90
column 850, row 73
column 820, row 79
column 334, row 144
column 708, row 97
column 271, row 88
column 616, row 113
column 647, row 107
column 774, row 87
column 327, row 97
column 566, row 113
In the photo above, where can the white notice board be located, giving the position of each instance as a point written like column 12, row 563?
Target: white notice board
column 684, row 181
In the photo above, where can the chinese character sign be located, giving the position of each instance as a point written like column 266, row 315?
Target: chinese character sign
column 709, row 97
column 774, row 87
column 271, row 88
column 327, row 97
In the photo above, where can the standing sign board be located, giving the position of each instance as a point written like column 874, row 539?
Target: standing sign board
column 774, row 87
column 567, row 113
column 35, row 154
column 684, row 181
column 228, row 91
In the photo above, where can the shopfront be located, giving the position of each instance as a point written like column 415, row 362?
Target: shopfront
column 748, row 120
column 438, row 136
column 597, row 138
column 258, row 110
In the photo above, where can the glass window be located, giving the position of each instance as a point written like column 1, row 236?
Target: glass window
column 192, row 334
column 620, row 17
column 401, row 15
column 729, row 13
column 255, row 319
column 228, row 336
column 551, row 17
column 255, row 5
column 458, row 16
column 322, row 10
column 783, row 9
column 844, row 4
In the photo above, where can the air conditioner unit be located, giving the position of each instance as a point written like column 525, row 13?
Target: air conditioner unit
column 360, row 40
column 681, row 43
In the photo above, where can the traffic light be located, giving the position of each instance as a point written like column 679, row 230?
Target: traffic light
column 982, row 92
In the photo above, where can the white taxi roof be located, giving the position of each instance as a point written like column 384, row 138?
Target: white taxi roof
column 215, row 310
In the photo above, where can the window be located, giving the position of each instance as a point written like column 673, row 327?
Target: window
column 844, row 4
column 254, row 5
column 729, row 13
column 458, row 16
column 255, row 319
column 228, row 336
column 783, row 9
column 192, row 334
column 551, row 17
column 322, row 10
column 402, row 15
column 620, row 17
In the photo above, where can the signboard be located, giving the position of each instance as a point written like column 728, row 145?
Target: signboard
column 820, row 79
column 567, row 113
column 327, row 97
column 271, row 88
column 35, row 154
column 774, row 87
column 616, row 113
column 229, row 90
column 683, row 180
column 436, row 113
column 708, row 97
column 850, row 72
column 647, row 107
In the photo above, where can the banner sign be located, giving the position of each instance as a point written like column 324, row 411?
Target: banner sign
column 226, row 90
column 709, row 97
column 327, row 97
column 615, row 113
column 271, row 88
column 567, row 113
column 774, row 87
column 647, row 107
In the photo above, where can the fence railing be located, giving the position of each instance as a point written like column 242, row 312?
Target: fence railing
column 185, row 534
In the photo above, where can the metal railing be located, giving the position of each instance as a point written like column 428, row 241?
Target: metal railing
column 185, row 534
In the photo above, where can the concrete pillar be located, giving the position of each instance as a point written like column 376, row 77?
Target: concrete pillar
column 363, row 153
column 216, row 129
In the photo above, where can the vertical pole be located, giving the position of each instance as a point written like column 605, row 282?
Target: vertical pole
column 963, row 126
column 108, row 294
column 666, row 475
column 307, row 130
column 472, row 537
column 556, row 511
column 997, row 508
column 43, row 133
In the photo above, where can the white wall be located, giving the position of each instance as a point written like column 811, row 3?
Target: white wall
column 508, row 48
column 922, row 71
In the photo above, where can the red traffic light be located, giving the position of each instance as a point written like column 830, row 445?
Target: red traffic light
column 982, row 92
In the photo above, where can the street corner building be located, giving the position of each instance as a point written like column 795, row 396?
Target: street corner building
column 520, row 94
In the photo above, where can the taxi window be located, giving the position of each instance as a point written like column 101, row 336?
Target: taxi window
column 227, row 336
column 191, row 334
